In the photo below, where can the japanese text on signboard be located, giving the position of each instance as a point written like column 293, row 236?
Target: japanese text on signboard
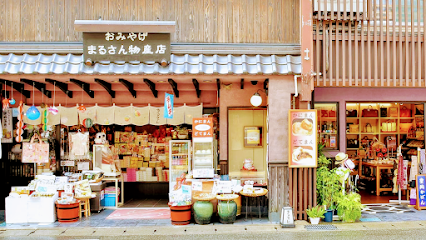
column 126, row 46
column 202, row 127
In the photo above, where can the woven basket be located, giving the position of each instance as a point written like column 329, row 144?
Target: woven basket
column 227, row 197
column 265, row 191
column 204, row 198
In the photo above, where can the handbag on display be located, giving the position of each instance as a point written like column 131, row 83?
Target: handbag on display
column 351, row 113
column 354, row 128
column 368, row 128
column 35, row 152
column 393, row 112
column 365, row 141
column 383, row 111
column 391, row 143
column 370, row 112
column 405, row 112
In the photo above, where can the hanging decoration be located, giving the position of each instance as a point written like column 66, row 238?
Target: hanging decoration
column 12, row 100
column 87, row 122
column 81, row 108
column 53, row 110
column 33, row 113
column 5, row 100
column 20, row 123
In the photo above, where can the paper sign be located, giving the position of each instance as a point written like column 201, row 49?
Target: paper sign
column 68, row 188
column 202, row 127
column 421, row 192
column 197, row 186
column 224, row 186
column 7, row 126
column 168, row 105
column 302, row 138
column 83, row 166
column 186, row 189
column 67, row 164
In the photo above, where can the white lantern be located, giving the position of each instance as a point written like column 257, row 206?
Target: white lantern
column 256, row 100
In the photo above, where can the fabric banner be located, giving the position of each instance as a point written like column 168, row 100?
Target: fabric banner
column 414, row 168
column 53, row 119
column 123, row 115
column 89, row 113
column 422, row 165
column 193, row 112
column 31, row 122
column 156, row 117
column 105, row 115
column 178, row 116
column 7, row 126
column 69, row 116
column 140, row 116
column 168, row 106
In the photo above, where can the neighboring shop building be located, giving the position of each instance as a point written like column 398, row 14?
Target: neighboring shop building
column 217, row 61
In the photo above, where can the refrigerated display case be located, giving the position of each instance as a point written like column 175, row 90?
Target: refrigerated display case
column 180, row 162
column 203, row 158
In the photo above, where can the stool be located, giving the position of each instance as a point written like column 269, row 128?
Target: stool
column 84, row 206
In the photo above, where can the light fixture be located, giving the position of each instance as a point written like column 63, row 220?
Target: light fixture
column 256, row 99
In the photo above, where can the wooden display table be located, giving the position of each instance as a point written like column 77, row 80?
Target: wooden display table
column 256, row 196
column 116, row 180
column 84, row 206
column 378, row 168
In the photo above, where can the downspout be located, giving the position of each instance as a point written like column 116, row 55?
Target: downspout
column 296, row 93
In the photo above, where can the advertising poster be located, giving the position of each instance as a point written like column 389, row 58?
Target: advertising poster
column 202, row 127
column 302, row 138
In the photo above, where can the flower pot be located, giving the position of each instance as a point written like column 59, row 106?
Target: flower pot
column 68, row 212
column 227, row 211
column 328, row 216
column 180, row 215
column 314, row 220
column 203, row 211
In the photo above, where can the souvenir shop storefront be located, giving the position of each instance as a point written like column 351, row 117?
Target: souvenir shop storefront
column 160, row 134
column 372, row 126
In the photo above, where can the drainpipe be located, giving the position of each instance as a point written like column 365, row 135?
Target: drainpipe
column 296, row 93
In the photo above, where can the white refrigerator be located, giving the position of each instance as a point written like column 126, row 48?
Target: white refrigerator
column 203, row 158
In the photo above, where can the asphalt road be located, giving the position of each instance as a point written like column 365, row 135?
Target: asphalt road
column 373, row 234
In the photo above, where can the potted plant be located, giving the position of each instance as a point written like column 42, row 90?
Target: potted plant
column 315, row 214
column 349, row 208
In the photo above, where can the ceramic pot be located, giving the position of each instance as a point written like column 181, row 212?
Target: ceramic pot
column 328, row 216
column 203, row 211
column 227, row 211
column 180, row 215
column 314, row 220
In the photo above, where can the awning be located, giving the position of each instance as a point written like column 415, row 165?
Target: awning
column 180, row 64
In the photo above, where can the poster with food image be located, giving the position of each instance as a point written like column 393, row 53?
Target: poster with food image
column 302, row 138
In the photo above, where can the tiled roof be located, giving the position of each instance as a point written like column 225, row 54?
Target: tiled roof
column 179, row 64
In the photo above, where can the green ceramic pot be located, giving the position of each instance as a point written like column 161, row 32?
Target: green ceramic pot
column 203, row 211
column 227, row 211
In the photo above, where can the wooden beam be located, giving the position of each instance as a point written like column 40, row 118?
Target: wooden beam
column 197, row 87
column 40, row 86
column 218, row 87
column 174, row 87
column 129, row 86
column 84, row 86
column 107, row 86
column 151, row 85
column 60, row 85
column 124, row 26
column 242, row 83
column 17, row 86
column 266, row 85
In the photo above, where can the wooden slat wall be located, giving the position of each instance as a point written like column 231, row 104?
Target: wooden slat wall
column 302, row 184
column 278, row 187
column 367, row 43
column 208, row 21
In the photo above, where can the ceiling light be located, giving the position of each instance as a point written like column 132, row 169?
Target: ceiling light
column 207, row 81
column 161, row 81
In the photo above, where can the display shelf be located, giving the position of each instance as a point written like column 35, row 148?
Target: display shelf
column 328, row 133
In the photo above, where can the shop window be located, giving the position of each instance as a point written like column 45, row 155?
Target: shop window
column 328, row 129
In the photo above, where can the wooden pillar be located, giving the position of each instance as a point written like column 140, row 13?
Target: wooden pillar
column 307, row 44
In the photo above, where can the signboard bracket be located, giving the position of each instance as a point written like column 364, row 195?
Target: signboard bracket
column 242, row 83
column 18, row 87
column 197, row 87
column 40, row 86
column 129, row 86
column 60, row 85
column 151, row 85
column 84, row 86
column 107, row 87
column 174, row 87
column 218, row 87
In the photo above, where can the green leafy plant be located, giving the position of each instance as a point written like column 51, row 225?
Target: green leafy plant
column 349, row 207
column 316, row 212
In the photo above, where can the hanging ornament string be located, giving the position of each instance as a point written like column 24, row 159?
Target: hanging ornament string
column 12, row 100
column 5, row 100
column 53, row 110
column 82, row 108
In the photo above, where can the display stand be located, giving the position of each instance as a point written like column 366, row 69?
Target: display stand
column 116, row 180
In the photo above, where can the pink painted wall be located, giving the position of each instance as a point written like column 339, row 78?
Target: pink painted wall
column 343, row 95
column 234, row 97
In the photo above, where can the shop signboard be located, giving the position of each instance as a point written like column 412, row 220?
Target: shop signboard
column 168, row 106
column 421, row 192
column 7, row 126
column 202, row 127
column 302, row 138
column 120, row 46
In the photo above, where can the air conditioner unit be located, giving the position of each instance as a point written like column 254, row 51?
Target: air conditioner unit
column 328, row 5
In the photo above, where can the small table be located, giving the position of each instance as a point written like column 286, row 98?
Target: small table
column 378, row 167
column 254, row 195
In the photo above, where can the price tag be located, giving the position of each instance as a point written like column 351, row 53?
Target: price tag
column 68, row 188
column 67, row 163
column 197, row 186
column 83, row 166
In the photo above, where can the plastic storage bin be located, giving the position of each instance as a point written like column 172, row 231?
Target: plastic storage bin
column 109, row 200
